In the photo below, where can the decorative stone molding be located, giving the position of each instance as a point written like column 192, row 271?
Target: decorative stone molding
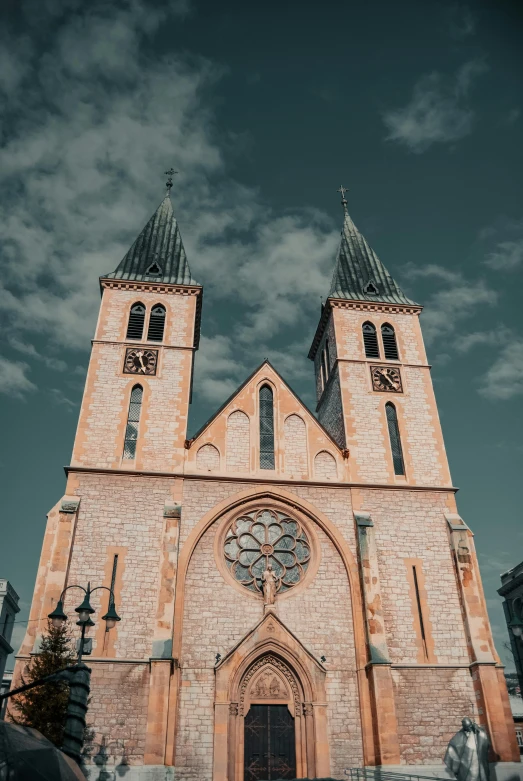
column 69, row 504
column 270, row 661
column 233, row 708
column 456, row 522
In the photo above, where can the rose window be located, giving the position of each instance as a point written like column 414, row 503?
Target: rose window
column 264, row 537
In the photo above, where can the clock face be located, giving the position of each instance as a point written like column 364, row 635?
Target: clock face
column 386, row 378
column 139, row 361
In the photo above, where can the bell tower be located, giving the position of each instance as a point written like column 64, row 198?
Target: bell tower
column 374, row 390
column 138, row 388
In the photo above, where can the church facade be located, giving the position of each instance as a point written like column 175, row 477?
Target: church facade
column 298, row 592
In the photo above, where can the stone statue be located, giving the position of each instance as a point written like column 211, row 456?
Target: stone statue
column 467, row 753
column 270, row 581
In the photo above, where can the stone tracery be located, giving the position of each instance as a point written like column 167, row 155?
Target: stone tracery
column 266, row 537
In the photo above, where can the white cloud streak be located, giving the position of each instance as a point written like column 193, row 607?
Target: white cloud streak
column 438, row 112
column 458, row 300
column 504, row 379
column 92, row 118
column 13, row 378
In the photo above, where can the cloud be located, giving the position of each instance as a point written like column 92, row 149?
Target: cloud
column 438, row 110
column 56, row 364
column 498, row 336
column 89, row 130
column 462, row 22
column 455, row 302
column 504, row 379
column 61, row 399
column 13, row 378
column 507, row 256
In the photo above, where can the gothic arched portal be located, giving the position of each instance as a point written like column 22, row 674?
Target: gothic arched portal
column 270, row 676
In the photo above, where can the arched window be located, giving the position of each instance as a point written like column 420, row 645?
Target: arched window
column 136, row 321
column 389, row 342
column 133, row 421
column 266, row 428
column 395, row 441
column 156, row 323
column 370, row 340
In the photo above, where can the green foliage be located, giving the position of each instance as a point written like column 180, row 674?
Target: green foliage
column 44, row 707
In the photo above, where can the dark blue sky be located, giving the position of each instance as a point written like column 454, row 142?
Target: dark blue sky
column 264, row 109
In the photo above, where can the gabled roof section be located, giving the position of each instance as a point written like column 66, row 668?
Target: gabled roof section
column 226, row 403
column 359, row 275
column 158, row 254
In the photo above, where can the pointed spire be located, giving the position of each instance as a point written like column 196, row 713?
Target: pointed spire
column 158, row 254
column 359, row 275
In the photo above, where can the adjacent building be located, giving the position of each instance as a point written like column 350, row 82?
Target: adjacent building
column 8, row 610
column 298, row 591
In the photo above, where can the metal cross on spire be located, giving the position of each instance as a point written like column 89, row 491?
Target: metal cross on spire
column 169, row 174
column 341, row 189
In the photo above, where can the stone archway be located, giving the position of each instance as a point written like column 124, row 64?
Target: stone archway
column 270, row 668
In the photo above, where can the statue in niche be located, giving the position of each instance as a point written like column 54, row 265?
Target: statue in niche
column 467, row 753
column 270, row 582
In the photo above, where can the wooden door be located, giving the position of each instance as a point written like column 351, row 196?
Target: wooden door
column 270, row 743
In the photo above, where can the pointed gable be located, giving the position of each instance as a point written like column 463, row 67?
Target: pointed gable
column 237, row 431
column 158, row 254
column 359, row 275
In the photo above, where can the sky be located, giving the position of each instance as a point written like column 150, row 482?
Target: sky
column 264, row 110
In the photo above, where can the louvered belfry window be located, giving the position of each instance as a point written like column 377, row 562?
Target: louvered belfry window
column 389, row 342
column 156, row 324
column 136, row 321
column 133, row 421
column 395, row 441
column 266, row 428
column 370, row 341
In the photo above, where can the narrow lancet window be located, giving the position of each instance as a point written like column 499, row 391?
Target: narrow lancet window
column 390, row 346
column 133, row 421
column 266, row 428
column 395, row 441
column 370, row 341
column 136, row 321
column 156, row 324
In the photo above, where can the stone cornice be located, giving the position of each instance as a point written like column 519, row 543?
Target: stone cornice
column 261, row 480
column 153, row 287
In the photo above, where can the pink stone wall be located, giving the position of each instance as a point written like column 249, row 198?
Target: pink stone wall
column 411, row 525
column 296, row 460
column 118, row 710
column 320, row 616
column 238, row 442
column 127, row 512
column 163, row 425
column 430, row 704
column 365, row 422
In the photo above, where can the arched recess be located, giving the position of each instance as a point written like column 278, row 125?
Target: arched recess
column 248, row 496
column 208, row 459
column 238, row 442
column 270, row 666
column 295, row 433
column 325, row 467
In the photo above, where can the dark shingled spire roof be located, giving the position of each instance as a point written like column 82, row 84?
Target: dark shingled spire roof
column 359, row 274
column 158, row 254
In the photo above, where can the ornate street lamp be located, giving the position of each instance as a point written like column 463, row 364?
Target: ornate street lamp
column 85, row 611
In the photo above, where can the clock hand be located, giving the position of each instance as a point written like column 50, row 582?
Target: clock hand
column 384, row 377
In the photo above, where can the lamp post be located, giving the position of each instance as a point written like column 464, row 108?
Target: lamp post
column 516, row 626
column 85, row 611
column 79, row 676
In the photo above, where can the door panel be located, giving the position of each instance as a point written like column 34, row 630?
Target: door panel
column 270, row 749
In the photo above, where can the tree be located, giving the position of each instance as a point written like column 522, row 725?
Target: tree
column 44, row 707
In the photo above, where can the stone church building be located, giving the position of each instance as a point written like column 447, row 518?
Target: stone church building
column 298, row 593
